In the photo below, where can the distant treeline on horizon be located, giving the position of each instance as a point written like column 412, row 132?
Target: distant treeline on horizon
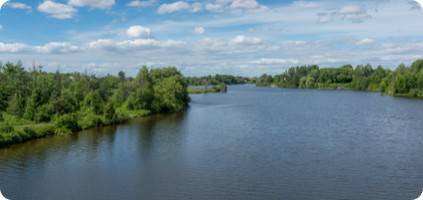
column 403, row 81
column 217, row 79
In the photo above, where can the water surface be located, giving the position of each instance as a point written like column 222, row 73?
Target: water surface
column 252, row 143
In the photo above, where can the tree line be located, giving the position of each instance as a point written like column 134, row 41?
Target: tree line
column 34, row 103
column 217, row 80
column 403, row 81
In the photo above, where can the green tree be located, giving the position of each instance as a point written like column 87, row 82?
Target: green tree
column 110, row 113
column 16, row 105
column 143, row 96
column 170, row 95
column 93, row 102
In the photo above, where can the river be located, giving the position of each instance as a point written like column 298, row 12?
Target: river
column 251, row 143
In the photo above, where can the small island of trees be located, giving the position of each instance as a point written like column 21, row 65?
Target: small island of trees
column 213, row 84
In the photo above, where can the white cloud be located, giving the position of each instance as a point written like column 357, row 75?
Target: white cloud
column 244, row 40
column 389, row 38
column 99, row 4
column 214, row 7
column 243, row 5
column 57, row 47
column 179, row 6
column 275, row 61
column 196, row 7
column 57, row 10
column 21, row 6
column 49, row 48
column 138, row 31
column 353, row 13
column 199, row 30
column 13, row 47
column 212, row 44
column 141, row 3
column 137, row 44
column 246, row 5
column 365, row 41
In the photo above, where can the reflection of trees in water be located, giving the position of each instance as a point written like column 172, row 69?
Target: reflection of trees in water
column 40, row 150
column 150, row 127
column 91, row 143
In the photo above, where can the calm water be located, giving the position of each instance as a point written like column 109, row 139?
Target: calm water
column 252, row 143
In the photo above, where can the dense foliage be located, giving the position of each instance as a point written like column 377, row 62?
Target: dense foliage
column 217, row 79
column 36, row 103
column 404, row 81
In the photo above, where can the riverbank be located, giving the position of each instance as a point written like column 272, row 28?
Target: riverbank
column 35, row 104
column 14, row 130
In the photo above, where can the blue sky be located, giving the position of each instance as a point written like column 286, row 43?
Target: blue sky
column 244, row 37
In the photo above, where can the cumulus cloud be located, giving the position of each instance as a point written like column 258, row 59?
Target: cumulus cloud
column 138, row 31
column 99, row 4
column 141, row 3
column 199, row 30
column 179, row 6
column 57, row 10
column 21, row 6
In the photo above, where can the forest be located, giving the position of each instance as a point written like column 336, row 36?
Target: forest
column 406, row 81
column 34, row 103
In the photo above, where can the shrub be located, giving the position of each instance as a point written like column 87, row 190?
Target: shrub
column 67, row 121
column 6, row 128
column 89, row 120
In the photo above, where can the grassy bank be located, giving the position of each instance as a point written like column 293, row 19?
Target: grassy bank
column 14, row 130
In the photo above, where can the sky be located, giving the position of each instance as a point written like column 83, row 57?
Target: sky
column 239, row 37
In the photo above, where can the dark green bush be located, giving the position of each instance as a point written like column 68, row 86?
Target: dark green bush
column 67, row 121
column 89, row 120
